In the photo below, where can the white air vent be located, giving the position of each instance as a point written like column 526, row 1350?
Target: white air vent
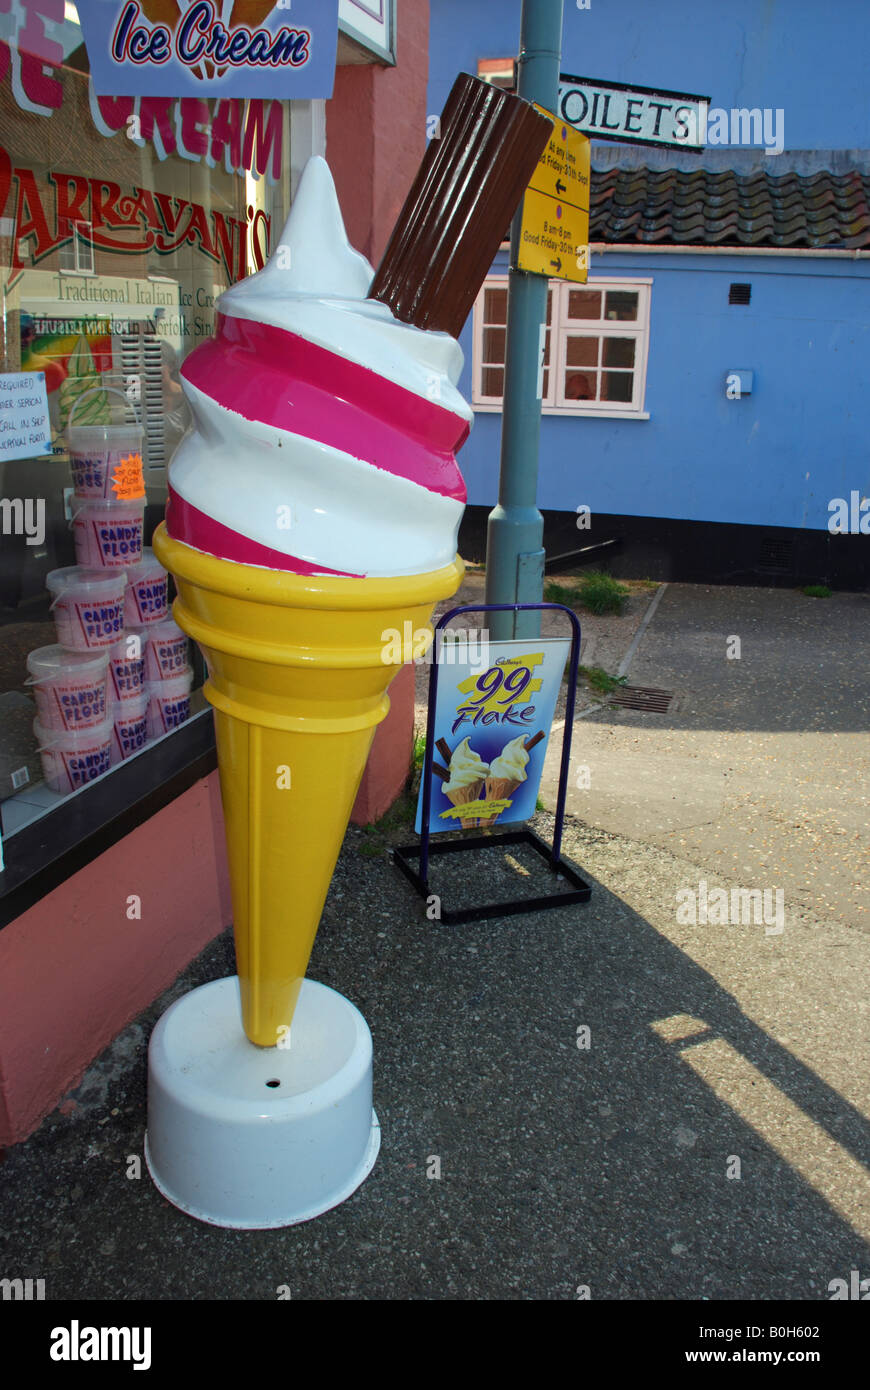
column 138, row 355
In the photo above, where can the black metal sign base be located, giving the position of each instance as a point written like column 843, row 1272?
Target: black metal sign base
column 580, row 893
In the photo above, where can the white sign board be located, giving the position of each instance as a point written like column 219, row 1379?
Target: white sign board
column 638, row 115
column 493, row 711
column 24, row 427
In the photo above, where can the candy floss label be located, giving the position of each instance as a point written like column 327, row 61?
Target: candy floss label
column 102, row 623
column 89, row 475
column 172, row 656
column 82, row 707
column 150, row 598
column 119, row 542
column 84, row 767
column 131, row 735
column 174, row 712
column 128, row 677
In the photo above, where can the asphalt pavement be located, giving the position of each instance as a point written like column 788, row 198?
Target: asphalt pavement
column 622, row 1101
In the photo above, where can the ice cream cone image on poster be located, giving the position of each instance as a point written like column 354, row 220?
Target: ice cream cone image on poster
column 507, row 771
column 467, row 776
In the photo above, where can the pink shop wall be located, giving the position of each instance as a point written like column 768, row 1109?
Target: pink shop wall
column 75, row 969
column 376, row 132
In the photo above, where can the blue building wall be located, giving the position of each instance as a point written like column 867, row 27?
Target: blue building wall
column 778, row 456
column 775, row 457
column 808, row 58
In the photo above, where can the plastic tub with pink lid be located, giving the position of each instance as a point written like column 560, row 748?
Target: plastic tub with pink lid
column 70, row 687
column 105, row 454
column 168, row 703
column 166, row 651
column 127, row 667
column 108, row 535
column 72, row 759
column 88, row 606
column 130, row 727
column 145, row 601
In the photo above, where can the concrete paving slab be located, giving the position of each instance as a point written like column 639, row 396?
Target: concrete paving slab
column 762, row 770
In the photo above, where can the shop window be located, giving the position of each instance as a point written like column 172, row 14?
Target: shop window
column 116, row 239
column 595, row 348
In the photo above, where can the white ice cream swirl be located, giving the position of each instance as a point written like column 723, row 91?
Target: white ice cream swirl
column 466, row 767
column 325, row 429
column 511, row 761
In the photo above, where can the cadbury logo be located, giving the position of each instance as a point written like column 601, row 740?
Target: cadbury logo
column 201, row 36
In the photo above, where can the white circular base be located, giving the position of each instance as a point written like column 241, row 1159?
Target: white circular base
column 228, row 1147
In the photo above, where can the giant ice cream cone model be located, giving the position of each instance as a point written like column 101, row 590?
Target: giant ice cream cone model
column 298, row 680
column 311, row 524
column 313, row 512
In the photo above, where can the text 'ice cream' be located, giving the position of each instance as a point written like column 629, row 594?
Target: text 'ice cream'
column 324, row 428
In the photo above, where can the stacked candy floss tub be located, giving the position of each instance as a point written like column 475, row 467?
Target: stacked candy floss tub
column 168, row 677
column 93, row 708
column 106, row 462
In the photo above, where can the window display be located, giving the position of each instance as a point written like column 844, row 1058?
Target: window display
column 121, row 222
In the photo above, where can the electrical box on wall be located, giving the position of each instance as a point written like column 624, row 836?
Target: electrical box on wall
column 738, row 382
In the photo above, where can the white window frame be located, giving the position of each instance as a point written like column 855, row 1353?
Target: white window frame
column 554, row 402
column 81, row 241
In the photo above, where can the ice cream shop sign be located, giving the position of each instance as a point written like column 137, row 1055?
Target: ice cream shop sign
column 129, row 222
column 157, row 47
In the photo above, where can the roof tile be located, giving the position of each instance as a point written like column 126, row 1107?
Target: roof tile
column 707, row 208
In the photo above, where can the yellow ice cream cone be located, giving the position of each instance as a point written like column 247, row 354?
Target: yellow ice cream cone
column 298, row 672
column 499, row 789
column 463, row 796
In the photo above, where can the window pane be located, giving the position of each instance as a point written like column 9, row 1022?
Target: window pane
column 493, row 345
column 492, row 381
column 584, row 304
column 583, row 352
column 617, row 386
column 110, row 263
column 580, row 386
column 618, row 352
column 547, row 347
column 549, row 306
column 622, row 304
column 546, row 383
column 495, row 306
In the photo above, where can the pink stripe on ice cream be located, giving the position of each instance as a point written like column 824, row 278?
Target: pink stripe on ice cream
column 280, row 379
column 202, row 532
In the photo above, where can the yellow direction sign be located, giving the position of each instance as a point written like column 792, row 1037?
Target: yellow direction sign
column 554, row 233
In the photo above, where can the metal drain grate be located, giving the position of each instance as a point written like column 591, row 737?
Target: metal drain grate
column 643, row 697
column 775, row 553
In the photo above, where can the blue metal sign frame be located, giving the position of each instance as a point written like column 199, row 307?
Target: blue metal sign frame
column 404, row 856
